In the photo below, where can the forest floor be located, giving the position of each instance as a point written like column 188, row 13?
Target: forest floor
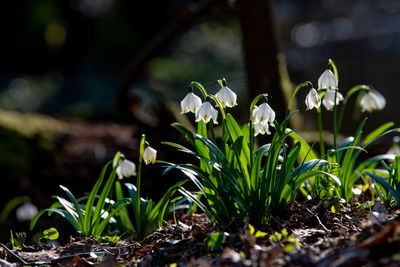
column 358, row 235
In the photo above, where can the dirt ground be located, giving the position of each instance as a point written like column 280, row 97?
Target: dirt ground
column 312, row 235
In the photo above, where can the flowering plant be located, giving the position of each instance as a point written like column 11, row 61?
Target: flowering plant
column 343, row 157
column 145, row 215
column 93, row 218
column 239, row 181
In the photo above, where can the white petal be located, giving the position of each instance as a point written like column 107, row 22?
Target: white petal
column 327, row 80
column 227, row 97
column 263, row 114
column 149, row 155
column 126, row 168
column 373, row 100
column 313, row 100
column 329, row 99
column 190, row 103
column 206, row 112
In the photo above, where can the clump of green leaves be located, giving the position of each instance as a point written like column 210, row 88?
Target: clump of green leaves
column 89, row 218
column 387, row 184
column 145, row 214
column 239, row 181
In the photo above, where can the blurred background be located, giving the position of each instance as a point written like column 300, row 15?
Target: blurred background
column 83, row 79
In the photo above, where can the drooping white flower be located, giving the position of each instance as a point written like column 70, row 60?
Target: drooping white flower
column 26, row 212
column 263, row 114
column 190, row 103
column 373, row 100
column 126, row 168
column 149, row 155
column 227, row 97
column 206, row 112
column 260, row 128
column 313, row 100
column 329, row 99
column 327, row 80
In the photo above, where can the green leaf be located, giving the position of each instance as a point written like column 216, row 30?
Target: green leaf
column 92, row 196
column 260, row 234
column 306, row 152
column 378, row 131
column 251, row 229
column 216, row 240
column 51, row 234
column 385, row 184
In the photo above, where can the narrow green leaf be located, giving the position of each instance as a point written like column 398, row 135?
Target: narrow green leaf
column 378, row 131
column 306, row 153
column 385, row 184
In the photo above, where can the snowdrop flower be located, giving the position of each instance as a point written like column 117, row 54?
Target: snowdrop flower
column 190, row 103
column 149, row 155
column 260, row 128
column 327, row 80
column 26, row 212
column 227, row 97
column 263, row 114
column 329, row 99
column 126, row 168
column 373, row 100
column 313, row 100
column 206, row 112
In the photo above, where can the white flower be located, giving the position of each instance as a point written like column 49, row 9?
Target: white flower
column 263, row 114
column 206, row 112
column 126, row 168
column 313, row 100
column 356, row 191
column 327, row 80
column 149, row 155
column 26, row 212
column 227, row 97
column 260, row 128
column 329, row 99
column 373, row 100
column 190, row 103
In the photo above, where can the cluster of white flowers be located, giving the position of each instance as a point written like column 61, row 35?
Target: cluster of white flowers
column 205, row 111
column 372, row 100
column 263, row 115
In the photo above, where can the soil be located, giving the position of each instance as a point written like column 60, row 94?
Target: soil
column 358, row 235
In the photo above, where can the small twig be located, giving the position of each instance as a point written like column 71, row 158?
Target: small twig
column 284, row 224
column 323, row 226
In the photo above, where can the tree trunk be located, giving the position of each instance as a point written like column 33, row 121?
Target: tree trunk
column 260, row 49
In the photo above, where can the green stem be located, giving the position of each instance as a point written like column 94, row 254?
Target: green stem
column 352, row 91
column 252, row 105
column 251, row 142
column 335, row 128
column 296, row 90
column 138, row 182
column 321, row 134
column 335, row 70
column 213, row 139
column 200, row 87
column 219, row 104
